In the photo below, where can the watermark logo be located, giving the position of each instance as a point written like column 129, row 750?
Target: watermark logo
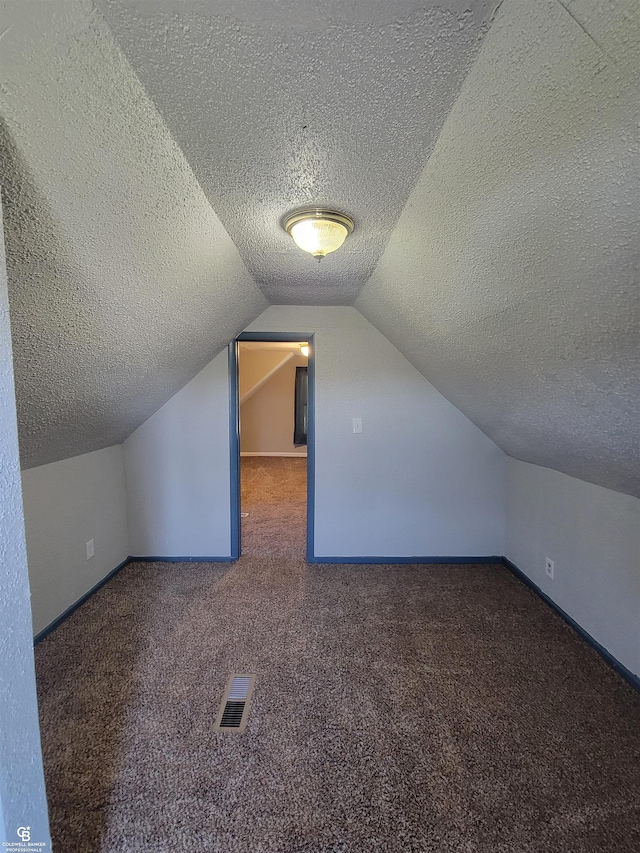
column 25, row 843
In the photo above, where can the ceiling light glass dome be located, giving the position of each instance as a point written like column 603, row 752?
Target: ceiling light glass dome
column 318, row 231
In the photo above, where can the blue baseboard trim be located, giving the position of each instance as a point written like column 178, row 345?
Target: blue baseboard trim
column 182, row 559
column 614, row 663
column 393, row 561
column 65, row 615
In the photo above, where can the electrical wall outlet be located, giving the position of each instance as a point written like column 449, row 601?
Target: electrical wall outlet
column 90, row 549
column 549, row 568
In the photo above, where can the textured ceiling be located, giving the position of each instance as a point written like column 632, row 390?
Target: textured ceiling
column 278, row 104
column 123, row 283
column 147, row 164
column 512, row 277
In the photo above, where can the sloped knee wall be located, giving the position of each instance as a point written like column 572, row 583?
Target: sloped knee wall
column 593, row 536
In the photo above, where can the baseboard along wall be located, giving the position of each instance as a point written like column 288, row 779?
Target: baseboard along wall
column 276, row 453
column 632, row 679
column 397, row 561
column 73, row 607
column 66, row 613
column 613, row 662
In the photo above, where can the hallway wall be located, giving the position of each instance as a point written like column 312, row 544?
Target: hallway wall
column 266, row 418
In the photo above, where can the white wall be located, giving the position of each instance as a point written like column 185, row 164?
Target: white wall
column 66, row 504
column 22, row 794
column 593, row 536
column 421, row 479
column 177, row 472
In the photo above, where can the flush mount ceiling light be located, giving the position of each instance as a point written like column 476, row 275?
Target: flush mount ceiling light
column 318, row 231
column 304, row 349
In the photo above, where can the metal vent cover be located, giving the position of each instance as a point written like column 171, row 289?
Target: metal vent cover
column 236, row 700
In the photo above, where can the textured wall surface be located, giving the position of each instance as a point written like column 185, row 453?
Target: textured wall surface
column 123, row 283
column 66, row 504
column 282, row 104
column 593, row 536
column 511, row 279
column 22, row 794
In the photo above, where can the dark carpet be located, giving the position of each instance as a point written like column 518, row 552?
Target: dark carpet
column 396, row 708
column 274, row 496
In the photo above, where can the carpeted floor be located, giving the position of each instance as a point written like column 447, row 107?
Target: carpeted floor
column 396, row 708
column 274, row 494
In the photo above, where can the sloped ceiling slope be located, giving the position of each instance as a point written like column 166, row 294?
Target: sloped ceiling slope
column 512, row 278
column 123, row 282
column 279, row 104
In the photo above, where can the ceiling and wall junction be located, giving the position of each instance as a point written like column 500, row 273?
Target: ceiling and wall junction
column 487, row 155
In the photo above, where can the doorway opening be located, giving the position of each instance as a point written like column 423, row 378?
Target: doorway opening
column 272, row 393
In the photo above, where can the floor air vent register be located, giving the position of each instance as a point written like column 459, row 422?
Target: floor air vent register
column 234, row 709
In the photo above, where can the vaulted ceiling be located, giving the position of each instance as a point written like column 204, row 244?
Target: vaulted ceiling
column 489, row 156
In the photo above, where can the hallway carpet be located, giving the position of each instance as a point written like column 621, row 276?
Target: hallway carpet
column 396, row 708
column 274, row 494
